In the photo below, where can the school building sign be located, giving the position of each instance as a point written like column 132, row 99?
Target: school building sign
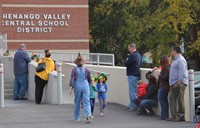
column 57, row 25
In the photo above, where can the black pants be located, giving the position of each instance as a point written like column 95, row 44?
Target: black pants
column 39, row 87
column 92, row 103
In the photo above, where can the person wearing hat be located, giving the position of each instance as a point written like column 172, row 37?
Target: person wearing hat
column 79, row 82
column 102, row 88
column 35, row 57
column 92, row 95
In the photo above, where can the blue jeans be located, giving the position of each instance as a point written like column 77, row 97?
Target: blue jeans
column 20, row 86
column 163, row 99
column 148, row 103
column 132, row 81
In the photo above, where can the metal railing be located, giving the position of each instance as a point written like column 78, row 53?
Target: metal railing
column 90, row 58
column 196, row 76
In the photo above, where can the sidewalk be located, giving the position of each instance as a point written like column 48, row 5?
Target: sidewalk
column 26, row 114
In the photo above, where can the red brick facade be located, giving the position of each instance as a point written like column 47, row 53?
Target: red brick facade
column 71, row 36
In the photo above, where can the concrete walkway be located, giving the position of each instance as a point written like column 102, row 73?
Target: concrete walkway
column 26, row 114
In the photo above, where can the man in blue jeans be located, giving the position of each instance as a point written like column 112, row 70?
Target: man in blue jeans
column 133, row 64
column 21, row 60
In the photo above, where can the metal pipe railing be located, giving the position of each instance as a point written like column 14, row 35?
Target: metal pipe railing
column 59, row 82
column 191, row 94
column 90, row 58
column 1, row 85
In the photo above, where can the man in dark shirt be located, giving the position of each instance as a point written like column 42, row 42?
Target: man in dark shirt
column 21, row 60
column 133, row 64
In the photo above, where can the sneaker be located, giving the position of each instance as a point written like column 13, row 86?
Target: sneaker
column 178, row 119
column 89, row 119
column 141, row 112
column 151, row 112
column 92, row 117
column 101, row 115
column 22, row 98
column 76, row 120
column 16, row 98
column 170, row 119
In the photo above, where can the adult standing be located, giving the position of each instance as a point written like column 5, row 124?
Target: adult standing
column 21, row 60
column 133, row 64
column 80, row 79
column 178, row 80
column 41, row 78
column 163, row 83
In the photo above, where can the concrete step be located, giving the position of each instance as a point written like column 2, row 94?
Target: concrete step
column 8, row 87
column 8, row 91
column 8, row 82
column 8, row 96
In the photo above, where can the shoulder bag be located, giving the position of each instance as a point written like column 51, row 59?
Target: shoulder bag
column 41, row 66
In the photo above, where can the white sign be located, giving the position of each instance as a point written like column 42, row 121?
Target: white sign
column 29, row 23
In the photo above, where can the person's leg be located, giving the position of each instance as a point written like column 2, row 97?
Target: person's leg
column 104, row 103
column 23, row 81
column 77, row 102
column 148, row 104
column 101, row 105
column 162, row 97
column 181, row 103
column 39, row 87
column 173, row 100
column 132, row 91
column 92, row 102
column 86, row 100
column 15, row 88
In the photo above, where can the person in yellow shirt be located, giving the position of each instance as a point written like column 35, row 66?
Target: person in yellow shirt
column 41, row 78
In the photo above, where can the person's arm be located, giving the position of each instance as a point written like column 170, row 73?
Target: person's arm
column 165, row 73
column 88, row 75
column 106, row 87
column 53, row 66
column 26, row 57
column 72, row 80
column 182, row 69
column 94, row 88
column 129, row 61
column 150, row 91
column 70, row 90
column 98, row 89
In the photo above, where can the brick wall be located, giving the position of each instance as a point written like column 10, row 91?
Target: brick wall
column 73, row 36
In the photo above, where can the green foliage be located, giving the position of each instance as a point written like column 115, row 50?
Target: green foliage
column 153, row 25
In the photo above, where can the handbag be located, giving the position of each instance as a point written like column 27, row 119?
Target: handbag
column 41, row 66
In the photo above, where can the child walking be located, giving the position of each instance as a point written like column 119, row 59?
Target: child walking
column 92, row 95
column 102, row 89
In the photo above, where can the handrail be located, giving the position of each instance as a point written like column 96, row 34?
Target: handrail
column 90, row 58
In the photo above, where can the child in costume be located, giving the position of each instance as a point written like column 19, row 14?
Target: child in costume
column 102, row 89
column 35, row 57
column 142, row 86
column 79, row 82
column 7, row 53
column 92, row 94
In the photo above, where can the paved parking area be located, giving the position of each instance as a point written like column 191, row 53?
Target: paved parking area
column 26, row 114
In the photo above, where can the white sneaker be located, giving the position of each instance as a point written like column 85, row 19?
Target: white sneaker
column 92, row 117
column 101, row 115
column 76, row 120
column 89, row 119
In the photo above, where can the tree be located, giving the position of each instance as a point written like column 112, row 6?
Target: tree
column 154, row 25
